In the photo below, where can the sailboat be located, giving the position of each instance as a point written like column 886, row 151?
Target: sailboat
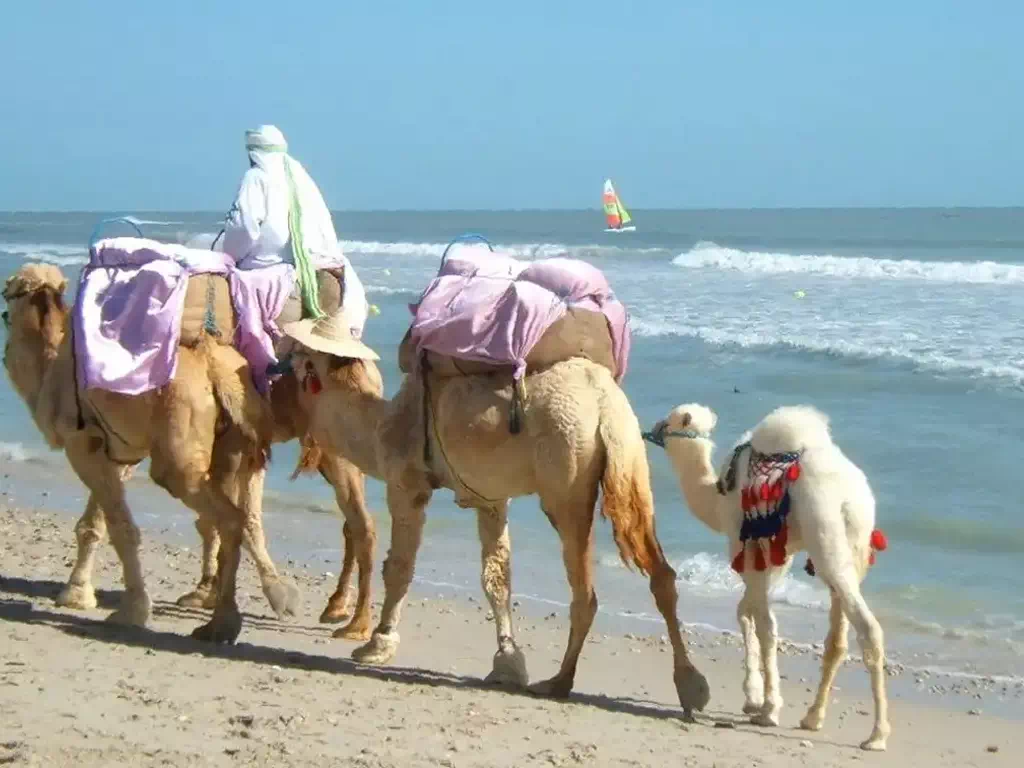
column 615, row 212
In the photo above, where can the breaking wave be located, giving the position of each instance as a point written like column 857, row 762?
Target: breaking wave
column 707, row 255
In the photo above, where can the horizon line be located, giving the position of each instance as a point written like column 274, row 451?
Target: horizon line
column 719, row 209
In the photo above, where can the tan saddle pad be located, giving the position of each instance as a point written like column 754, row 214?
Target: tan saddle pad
column 210, row 290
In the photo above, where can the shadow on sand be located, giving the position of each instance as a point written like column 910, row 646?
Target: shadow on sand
column 76, row 625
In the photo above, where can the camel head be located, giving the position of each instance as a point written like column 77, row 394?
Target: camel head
column 688, row 418
column 35, row 321
column 348, row 375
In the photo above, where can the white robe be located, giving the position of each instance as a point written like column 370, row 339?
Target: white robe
column 256, row 228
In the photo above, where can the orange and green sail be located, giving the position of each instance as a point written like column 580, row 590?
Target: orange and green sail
column 614, row 211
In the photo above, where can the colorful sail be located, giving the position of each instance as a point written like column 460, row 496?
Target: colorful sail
column 614, row 211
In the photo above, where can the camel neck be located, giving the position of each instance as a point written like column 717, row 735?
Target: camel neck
column 691, row 458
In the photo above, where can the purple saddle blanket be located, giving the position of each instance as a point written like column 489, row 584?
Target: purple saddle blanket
column 492, row 308
column 128, row 312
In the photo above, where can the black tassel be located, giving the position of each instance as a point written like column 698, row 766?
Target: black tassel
column 515, row 411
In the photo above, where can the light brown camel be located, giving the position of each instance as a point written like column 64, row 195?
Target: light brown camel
column 27, row 352
column 206, row 433
column 579, row 435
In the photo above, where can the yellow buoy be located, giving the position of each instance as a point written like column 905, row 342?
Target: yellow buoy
column 799, row 294
column 387, row 272
column 374, row 310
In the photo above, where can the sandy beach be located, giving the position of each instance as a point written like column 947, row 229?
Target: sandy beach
column 79, row 692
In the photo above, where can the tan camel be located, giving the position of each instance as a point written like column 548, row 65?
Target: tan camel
column 830, row 512
column 579, row 435
column 29, row 350
column 206, row 433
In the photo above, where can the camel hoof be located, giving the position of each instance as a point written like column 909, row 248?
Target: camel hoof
column 197, row 598
column 354, row 630
column 812, row 722
column 555, row 688
column 508, row 670
column 80, row 597
column 692, row 688
column 380, row 650
column 335, row 613
column 134, row 610
column 765, row 719
column 752, row 707
column 220, row 630
column 284, row 598
column 877, row 741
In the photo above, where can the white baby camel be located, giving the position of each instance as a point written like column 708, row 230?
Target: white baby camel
column 831, row 514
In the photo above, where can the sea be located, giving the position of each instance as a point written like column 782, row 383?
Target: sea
column 903, row 325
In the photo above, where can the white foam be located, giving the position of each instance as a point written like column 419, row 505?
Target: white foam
column 754, row 337
column 707, row 255
column 51, row 253
column 15, row 452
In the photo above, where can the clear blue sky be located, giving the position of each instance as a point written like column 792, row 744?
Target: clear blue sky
column 475, row 104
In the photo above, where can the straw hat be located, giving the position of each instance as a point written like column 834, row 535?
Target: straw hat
column 329, row 334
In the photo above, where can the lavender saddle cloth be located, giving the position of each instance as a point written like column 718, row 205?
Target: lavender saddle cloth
column 490, row 308
column 128, row 313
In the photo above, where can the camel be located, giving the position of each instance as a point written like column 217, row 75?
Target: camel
column 212, row 383
column 578, row 435
column 827, row 508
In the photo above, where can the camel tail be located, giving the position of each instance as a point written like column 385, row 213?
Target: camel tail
column 310, row 455
column 238, row 397
column 627, row 500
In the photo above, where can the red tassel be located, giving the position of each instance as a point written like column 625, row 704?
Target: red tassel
column 878, row 540
column 315, row 386
column 871, row 559
column 778, row 549
column 783, row 535
column 759, row 564
column 793, row 473
column 765, row 492
column 745, row 499
column 777, row 491
column 738, row 561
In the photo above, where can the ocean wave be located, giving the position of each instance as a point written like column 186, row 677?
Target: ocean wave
column 709, row 255
column 52, row 253
column 710, row 574
column 15, row 452
column 752, row 338
column 388, row 290
column 527, row 251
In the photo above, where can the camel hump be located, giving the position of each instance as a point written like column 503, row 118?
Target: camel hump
column 792, row 429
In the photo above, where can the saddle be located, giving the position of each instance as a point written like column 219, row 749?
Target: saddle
column 490, row 314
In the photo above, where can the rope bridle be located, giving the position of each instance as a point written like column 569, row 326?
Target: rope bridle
column 727, row 482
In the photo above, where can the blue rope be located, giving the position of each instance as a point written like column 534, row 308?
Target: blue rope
column 658, row 436
column 463, row 238
column 124, row 219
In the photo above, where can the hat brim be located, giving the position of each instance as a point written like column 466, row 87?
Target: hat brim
column 302, row 332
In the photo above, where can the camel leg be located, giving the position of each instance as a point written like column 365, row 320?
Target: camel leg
column 767, row 636
column 577, row 534
column 360, row 541
column 509, row 666
column 832, row 658
column 205, row 593
column 91, row 529
column 872, row 647
column 408, row 513
column 236, row 479
column 691, row 686
column 753, row 682
column 104, row 480
column 337, row 604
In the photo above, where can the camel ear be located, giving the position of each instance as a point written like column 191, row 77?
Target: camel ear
column 687, row 418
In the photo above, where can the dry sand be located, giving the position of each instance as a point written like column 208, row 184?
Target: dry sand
column 75, row 691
